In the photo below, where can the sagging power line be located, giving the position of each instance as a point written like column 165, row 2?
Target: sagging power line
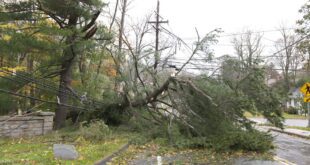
column 40, row 100
column 27, row 77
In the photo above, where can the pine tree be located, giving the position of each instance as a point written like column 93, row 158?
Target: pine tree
column 72, row 22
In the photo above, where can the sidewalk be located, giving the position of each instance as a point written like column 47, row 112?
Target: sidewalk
column 289, row 131
column 287, row 122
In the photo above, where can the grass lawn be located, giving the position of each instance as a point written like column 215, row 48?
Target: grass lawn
column 249, row 115
column 290, row 116
column 285, row 115
column 39, row 150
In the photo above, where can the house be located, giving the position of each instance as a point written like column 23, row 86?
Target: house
column 295, row 99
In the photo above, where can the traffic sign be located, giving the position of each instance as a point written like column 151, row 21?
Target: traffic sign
column 307, row 99
column 305, row 89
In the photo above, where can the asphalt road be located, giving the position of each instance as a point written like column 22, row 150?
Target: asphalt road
column 289, row 151
column 293, row 149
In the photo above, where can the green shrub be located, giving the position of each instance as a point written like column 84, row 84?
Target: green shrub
column 292, row 110
column 95, row 130
column 243, row 140
column 7, row 102
column 194, row 143
column 232, row 140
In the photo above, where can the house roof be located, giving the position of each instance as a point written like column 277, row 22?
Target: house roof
column 295, row 93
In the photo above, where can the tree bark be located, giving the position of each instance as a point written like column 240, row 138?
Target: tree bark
column 65, row 80
column 65, row 75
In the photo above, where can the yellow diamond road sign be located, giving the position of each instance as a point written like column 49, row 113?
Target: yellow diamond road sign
column 307, row 99
column 305, row 89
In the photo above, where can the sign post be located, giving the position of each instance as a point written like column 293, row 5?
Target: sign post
column 308, row 105
column 305, row 89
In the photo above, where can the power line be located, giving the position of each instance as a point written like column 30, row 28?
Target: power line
column 244, row 33
column 279, row 51
column 17, row 80
column 36, row 81
column 273, row 55
column 283, row 49
column 22, row 82
column 231, row 45
column 28, row 80
column 207, row 66
column 40, row 100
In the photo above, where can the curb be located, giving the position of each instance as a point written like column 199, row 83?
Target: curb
column 108, row 158
column 290, row 133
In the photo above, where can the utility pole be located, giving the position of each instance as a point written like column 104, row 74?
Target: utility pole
column 157, row 23
column 121, row 28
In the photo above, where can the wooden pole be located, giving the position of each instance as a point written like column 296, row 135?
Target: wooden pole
column 157, row 23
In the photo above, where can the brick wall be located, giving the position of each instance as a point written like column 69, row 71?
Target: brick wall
column 32, row 125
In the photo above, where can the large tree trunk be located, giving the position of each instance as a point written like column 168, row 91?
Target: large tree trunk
column 65, row 80
column 65, row 75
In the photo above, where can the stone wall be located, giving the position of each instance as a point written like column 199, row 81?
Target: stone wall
column 36, row 124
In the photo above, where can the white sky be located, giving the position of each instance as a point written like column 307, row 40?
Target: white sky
column 232, row 16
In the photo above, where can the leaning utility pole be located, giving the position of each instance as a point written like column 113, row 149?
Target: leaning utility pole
column 157, row 23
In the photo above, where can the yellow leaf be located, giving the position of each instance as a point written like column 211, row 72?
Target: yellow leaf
column 81, row 158
column 6, row 37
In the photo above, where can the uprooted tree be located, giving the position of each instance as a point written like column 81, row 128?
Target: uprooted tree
column 200, row 108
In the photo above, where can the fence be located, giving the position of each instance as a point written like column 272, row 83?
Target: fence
column 28, row 125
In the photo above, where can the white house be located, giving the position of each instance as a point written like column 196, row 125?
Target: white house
column 295, row 98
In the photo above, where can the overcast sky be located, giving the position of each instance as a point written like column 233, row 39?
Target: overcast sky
column 232, row 16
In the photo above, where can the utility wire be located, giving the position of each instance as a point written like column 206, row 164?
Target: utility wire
column 27, row 79
column 40, row 100
column 37, row 80
column 283, row 49
column 236, row 34
column 26, row 83
column 30, row 79
column 239, row 34
column 262, row 57
column 22, row 82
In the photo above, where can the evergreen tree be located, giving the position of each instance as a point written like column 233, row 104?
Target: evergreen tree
column 72, row 22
